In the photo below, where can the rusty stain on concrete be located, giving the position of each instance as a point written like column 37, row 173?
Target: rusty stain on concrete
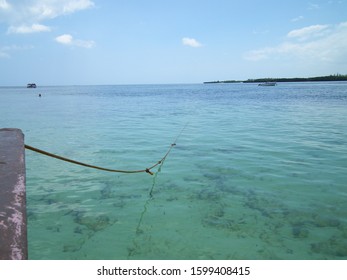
column 13, row 224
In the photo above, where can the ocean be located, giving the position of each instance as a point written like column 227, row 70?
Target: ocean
column 252, row 172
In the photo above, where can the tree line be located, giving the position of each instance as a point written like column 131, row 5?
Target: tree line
column 336, row 77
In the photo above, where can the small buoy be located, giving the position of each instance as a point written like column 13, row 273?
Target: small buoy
column 39, row 94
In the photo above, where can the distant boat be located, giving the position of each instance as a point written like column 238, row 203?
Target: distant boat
column 268, row 84
column 31, row 85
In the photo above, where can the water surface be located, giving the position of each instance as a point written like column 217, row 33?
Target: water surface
column 257, row 172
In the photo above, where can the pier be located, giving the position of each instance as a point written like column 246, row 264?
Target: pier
column 13, row 222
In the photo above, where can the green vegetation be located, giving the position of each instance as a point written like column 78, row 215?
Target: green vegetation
column 336, row 77
column 219, row 82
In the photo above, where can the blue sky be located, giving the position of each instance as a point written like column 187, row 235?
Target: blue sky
column 77, row 42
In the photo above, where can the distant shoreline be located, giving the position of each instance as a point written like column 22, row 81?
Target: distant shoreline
column 330, row 78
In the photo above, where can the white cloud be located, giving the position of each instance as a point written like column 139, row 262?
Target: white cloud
column 67, row 39
column 30, row 13
column 330, row 46
column 307, row 32
column 34, row 28
column 191, row 42
column 72, row 6
column 48, row 9
column 4, row 5
column 297, row 19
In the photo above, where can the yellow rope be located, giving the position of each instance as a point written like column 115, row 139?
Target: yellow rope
column 147, row 170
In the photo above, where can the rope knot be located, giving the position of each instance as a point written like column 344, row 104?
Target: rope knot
column 149, row 171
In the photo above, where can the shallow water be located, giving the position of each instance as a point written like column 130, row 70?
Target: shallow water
column 257, row 172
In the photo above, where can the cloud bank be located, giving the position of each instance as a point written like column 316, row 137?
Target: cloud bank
column 25, row 16
column 318, row 43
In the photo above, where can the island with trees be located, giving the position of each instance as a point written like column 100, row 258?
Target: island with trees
column 336, row 77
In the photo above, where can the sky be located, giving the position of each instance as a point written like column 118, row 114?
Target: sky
column 85, row 42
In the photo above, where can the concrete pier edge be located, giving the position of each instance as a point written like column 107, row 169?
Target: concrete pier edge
column 13, row 220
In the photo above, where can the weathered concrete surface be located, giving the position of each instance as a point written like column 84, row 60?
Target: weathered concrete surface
column 13, row 225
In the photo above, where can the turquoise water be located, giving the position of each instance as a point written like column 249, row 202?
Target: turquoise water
column 257, row 172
